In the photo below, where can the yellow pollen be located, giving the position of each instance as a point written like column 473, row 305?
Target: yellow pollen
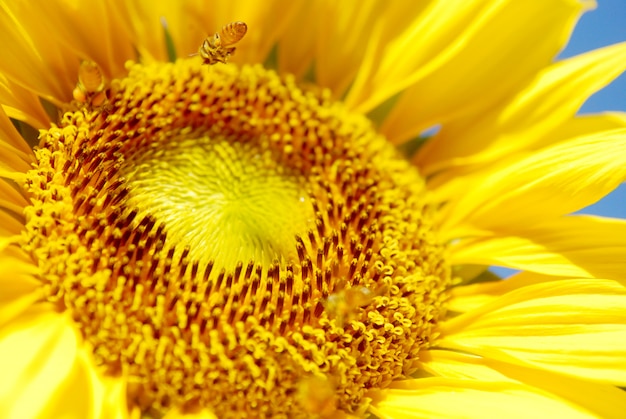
column 225, row 239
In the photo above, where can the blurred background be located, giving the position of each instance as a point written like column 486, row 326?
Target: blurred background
column 600, row 27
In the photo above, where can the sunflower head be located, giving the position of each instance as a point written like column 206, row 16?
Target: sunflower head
column 226, row 220
column 269, row 227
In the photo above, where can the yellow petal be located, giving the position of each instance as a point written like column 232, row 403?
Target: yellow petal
column 31, row 56
column 41, row 374
column 143, row 24
column 551, row 99
column 435, row 25
column 79, row 395
column 603, row 400
column 10, row 135
column 20, row 290
column 469, row 297
column 449, row 364
column 296, row 46
column 13, row 159
column 548, row 183
column 22, row 104
column 9, row 224
column 575, row 327
column 453, row 52
column 431, row 398
column 343, row 32
column 115, row 405
column 576, row 246
column 11, row 198
column 453, row 182
column 582, row 125
column 90, row 29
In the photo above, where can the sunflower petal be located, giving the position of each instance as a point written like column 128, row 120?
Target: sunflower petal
column 10, row 135
column 14, row 159
column 430, row 398
column 115, row 403
column 469, row 297
column 575, row 327
column 576, row 246
column 95, row 33
column 21, row 104
column 10, row 198
column 40, row 372
column 434, row 27
column 296, row 47
column 341, row 40
column 19, row 289
column 79, row 395
column 604, row 401
column 33, row 58
column 482, row 38
column 457, row 365
column 147, row 34
column 553, row 98
column 453, row 182
column 9, row 225
column 554, row 181
column 582, row 125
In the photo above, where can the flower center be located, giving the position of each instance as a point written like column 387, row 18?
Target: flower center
column 227, row 240
column 227, row 199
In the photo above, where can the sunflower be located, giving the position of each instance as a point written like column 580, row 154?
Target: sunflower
column 287, row 209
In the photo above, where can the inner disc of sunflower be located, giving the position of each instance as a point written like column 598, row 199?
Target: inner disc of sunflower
column 225, row 239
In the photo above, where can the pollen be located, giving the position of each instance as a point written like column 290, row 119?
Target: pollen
column 223, row 237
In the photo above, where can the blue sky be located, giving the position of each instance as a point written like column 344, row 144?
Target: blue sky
column 603, row 26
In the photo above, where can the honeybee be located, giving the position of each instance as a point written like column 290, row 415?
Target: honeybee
column 91, row 86
column 219, row 47
column 345, row 304
column 317, row 396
